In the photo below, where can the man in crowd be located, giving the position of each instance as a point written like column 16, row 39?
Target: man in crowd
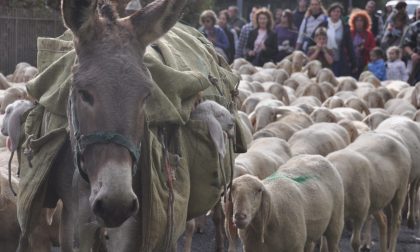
column 377, row 22
column 299, row 13
column 411, row 46
column 243, row 38
column 236, row 22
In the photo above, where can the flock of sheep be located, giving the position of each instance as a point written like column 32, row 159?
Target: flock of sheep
column 323, row 151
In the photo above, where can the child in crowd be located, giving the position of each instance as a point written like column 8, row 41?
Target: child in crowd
column 396, row 69
column 377, row 64
column 320, row 51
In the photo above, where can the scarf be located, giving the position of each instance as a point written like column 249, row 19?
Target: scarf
column 331, row 32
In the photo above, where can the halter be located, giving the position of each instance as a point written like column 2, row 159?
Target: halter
column 82, row 141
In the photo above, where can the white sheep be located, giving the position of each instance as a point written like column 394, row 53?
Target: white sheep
column 292, row 208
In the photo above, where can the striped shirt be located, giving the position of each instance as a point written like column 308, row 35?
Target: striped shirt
column 243, row 38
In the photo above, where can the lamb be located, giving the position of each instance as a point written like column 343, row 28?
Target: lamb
column 400, row 107
column 12, row 124
column 326, row 74
column 278, row 90
column 374, row 119
column 277, row 214
column 346, row 84
column 285, row 65
column 374, row 159
column 263, row 157
column 16, row 92
column 265, row 113
column 323, row 115
column 357, row 104
column 327, row 88
column 218, row 120
column 374, row 99
column 333, row 102
column 312, row 68
column 319, row 139
column 252, row 101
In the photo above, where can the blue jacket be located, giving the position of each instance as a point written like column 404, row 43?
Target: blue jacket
column 221, row 38
column 378, row 68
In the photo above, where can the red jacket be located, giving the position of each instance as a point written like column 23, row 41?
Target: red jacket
column 369, row 43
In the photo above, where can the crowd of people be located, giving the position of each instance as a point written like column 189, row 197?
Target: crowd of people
column 387, row 45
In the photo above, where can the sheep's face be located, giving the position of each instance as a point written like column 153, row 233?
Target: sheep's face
column 247, row 194
column 263, row 116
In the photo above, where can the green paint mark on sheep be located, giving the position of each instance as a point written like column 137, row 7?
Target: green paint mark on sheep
column 280, row 175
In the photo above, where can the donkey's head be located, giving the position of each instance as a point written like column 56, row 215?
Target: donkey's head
column 109, row 89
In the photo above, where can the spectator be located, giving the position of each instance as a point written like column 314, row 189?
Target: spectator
column 395, row 30
column 396, row 69
column 411, row 45
column 388, row 12
column 213, row 32
column 416, row 16
column 339, row 40
column 261, row 46
column 277, row 16
column 400, row 7
column 320, row 51
column 315, row 15
column 243, row 37
column 377, row 26
column 362, row 38
column 236, row 22
column 299, row 13
column 230, row 33
column 286, row 35
column 377, row 64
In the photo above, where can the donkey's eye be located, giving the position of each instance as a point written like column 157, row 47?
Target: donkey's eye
column 86, row 97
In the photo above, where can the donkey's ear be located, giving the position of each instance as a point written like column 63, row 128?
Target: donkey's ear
column 79, row 16
column 155, row 19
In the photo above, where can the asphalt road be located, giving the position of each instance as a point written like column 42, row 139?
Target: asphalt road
column 408, row 240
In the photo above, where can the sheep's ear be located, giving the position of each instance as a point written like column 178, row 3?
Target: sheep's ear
column 80, row 17
column 155, row 19
column 265, row 210
column 365, row 108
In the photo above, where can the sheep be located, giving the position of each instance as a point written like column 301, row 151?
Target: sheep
column 346, row 84
column 269, row 65
column 298, row 59
column 247, row 69
column 326, row 74
column 395, row 86
column 374, row 119
column 310, row 101
column 265, row 113
column 4, row 83
column 285, row 65
column 350, row 127
column 374, row 99
column 416, row 116
column 409, row 132
column 312, row 90
column 286, row 126
column 277, row 90
column 218, row 120
column 357, row 104
column 347, row 113
column 264, row 156
column 319, row 139
column 240, row 98
column 374, row 159
column 277, row 213
column 312, row 68
column 411, row 94
column 333, row 102
column 252, row 101
column 400, row 107
column 327, row 88
column 280, row 75
column 252, row 86
column 385, row 93
column 323, row 115
column 361, row 127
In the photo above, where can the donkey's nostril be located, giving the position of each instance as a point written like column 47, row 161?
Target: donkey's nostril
column 98, row 207
column 240, row 216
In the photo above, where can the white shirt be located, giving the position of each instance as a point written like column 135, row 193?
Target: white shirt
column 396, row 70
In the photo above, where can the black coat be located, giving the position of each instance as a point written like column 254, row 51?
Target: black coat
column 269, row 54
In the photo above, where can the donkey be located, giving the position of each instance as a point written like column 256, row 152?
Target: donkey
column 106, row 112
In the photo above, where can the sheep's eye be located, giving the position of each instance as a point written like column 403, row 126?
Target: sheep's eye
column 86, row 97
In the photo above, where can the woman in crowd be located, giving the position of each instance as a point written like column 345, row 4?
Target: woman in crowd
column 261, row 45
column 416, row 16
column 362, row 38
column 315, row 15
column 395, row 31
column 340, row 41
column 286, row 35
column 214, row 33
column 230, row 33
